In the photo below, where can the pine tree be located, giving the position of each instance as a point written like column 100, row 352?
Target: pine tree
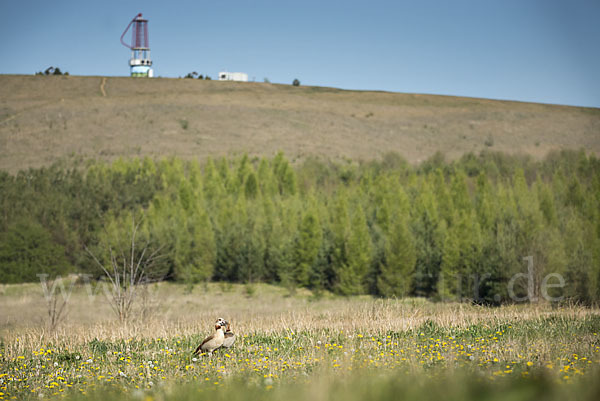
column 459, row 192
column 228, row 181
column 546, row 203
column 359, row 248
column 251, row 186
column 340, row 227
column 450, row 281
column 195, row 178
column 397, row 274
column 579, row 275
column 288, row 182
column 443, row 198
column 425, row 225
column 462, row 252
column 484, row 202
column 185, row 195
column 252, row 252
column 285, row 175
column 382, row 214
column 266, row 178
column 213, row 187
column 559, row 186
column 575, row 195
column 244, row 168
column 202, row 248
column 307, row 246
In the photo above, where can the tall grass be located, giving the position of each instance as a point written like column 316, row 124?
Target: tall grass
column 303, row 348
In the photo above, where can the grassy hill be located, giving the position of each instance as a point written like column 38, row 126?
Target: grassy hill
column 45, row 118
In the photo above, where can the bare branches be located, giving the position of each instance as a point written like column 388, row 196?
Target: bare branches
column 56, row 309
column 127, row 270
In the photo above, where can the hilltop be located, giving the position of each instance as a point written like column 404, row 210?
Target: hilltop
column 46, row 118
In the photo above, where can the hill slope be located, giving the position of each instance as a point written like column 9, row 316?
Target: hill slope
column 44, row 118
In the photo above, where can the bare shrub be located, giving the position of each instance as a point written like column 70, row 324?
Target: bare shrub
column 127, row 272
column 56, row 309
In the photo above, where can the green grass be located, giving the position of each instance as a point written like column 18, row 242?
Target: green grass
column 456, row 387
column 544, row 357
column 296, row 347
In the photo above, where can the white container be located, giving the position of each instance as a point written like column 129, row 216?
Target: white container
column 233, row 76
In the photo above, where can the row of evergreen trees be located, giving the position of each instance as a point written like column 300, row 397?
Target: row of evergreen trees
column 458, row 230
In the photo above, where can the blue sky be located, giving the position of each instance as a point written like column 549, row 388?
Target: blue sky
column 530, row 50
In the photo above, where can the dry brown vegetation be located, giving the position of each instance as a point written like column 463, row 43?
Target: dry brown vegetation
column 45, row 118
column 169, row 310
column 293, row 347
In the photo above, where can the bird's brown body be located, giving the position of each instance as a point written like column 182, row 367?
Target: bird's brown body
column 229, row 337
column 212, row 342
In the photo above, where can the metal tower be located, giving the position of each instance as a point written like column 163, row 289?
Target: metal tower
column 140, row 62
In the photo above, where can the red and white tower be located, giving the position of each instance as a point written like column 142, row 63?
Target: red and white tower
column 140, row 62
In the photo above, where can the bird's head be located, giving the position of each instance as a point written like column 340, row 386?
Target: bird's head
column 220, row 323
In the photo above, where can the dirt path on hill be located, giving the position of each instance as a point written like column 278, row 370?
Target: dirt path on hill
column 102, row 86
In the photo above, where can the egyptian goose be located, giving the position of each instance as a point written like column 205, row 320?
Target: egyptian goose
column 229, row 337
column 214, row 341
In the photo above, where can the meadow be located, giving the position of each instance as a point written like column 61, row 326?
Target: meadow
column 298, row 346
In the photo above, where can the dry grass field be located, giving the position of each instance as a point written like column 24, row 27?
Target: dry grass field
column 294, row 347
column 45, row 118
column 167, row 309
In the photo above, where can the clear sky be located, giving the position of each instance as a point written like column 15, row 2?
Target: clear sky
column 530, row 50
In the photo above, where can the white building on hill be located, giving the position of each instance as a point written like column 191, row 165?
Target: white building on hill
column 233, row 76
